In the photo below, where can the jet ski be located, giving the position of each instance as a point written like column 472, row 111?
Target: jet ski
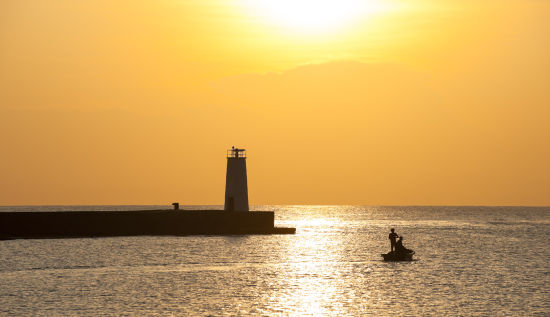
column 398, row 256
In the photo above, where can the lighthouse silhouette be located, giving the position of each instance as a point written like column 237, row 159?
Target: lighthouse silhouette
column 236, row 186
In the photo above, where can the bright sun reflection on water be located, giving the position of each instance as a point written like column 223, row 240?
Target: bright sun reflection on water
column 318, row 268
column 314, row 271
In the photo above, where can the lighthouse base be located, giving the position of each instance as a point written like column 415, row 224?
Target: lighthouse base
column 70, row 224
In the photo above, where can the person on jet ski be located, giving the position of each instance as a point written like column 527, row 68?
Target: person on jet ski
column 400, row 248
column 393, row 237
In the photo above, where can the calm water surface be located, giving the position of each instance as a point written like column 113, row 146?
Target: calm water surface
column 471, row 261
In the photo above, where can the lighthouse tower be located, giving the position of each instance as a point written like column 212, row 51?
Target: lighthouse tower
column 236, row 187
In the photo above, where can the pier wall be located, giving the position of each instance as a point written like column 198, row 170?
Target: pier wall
column 131, row 223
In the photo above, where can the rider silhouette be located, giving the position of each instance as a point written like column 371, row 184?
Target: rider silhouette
column 393, row 237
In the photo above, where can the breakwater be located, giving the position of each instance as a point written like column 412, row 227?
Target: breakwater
column 66, row 224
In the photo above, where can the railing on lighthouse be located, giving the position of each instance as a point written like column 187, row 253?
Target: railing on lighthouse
column 236, row 153
column 236, row 185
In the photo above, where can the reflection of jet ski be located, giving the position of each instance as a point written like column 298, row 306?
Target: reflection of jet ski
column 399, row 256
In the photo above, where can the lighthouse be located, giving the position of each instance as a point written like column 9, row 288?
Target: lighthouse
column 236, row 186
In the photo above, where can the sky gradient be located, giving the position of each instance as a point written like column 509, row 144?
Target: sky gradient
column 404, row 102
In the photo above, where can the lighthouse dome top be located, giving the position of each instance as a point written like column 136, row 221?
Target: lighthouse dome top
column 236, row 153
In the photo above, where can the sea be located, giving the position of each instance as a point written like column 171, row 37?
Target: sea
column 469, row 261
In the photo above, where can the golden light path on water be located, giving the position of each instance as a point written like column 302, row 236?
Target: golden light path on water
column 314, row 269
column 314, row 277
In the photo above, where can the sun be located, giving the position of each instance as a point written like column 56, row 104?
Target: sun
column 312, row 16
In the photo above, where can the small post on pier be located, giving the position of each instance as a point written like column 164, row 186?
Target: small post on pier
column 176, row 206
column 236, row 186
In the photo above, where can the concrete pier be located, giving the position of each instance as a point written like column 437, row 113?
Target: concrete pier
column 66, row 224
column 236, row 219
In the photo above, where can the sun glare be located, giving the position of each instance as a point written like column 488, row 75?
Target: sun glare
column 313, row 15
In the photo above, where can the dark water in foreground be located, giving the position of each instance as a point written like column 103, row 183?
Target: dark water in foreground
column 471, row 261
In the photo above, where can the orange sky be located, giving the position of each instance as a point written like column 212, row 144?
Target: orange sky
column 401, row 102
